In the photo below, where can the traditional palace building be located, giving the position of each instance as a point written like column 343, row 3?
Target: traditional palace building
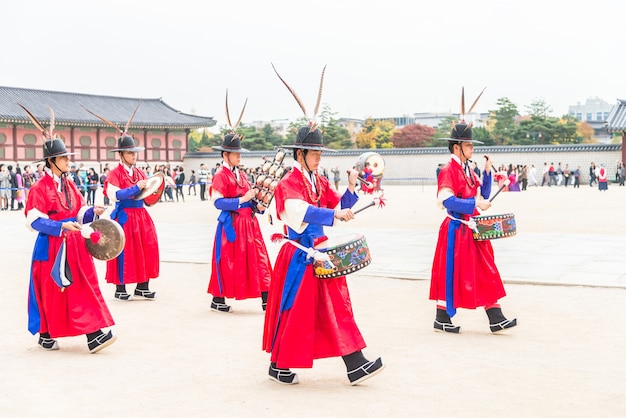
column 162, row 130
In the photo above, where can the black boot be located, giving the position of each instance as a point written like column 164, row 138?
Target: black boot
column 360, row 369
column 264, row 300
column 120, row 293
column 284, row 376
column 444, row 323
column 497, row 320
column 219, row 304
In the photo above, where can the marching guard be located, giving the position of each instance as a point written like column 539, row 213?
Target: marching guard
column 64, row 296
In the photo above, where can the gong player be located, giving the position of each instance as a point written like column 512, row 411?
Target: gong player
column 464, row 274
column 309, row 318
column 64, row 298
column 139, row 261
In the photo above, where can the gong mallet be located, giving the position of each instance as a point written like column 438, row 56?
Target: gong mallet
column 368, row 184
column 505, row 184
column 381, row 203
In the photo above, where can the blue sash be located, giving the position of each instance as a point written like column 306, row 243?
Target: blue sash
column 119, row 215
column 453, row 226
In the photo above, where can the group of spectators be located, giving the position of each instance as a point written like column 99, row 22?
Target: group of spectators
column 523, row 176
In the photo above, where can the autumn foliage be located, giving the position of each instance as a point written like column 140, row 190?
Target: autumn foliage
column 413, row 136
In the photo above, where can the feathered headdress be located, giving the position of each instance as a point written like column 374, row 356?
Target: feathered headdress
column 312, row 123
column 231, row 142
column 113, row 125
column 125, row 141
column 461, row 131
column 53, row 146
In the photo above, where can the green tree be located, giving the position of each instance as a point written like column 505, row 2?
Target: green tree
column 504, row 115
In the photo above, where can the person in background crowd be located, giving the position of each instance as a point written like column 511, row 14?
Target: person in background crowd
column 192, row 183
column 601, row 174
column 180, row 181
column 20, row 195
column 103, row 179
column 92, row 181
column 592, row 174
column 577, row 174
column 203, row 174
column 5, row 187
column 336, row 176
column 29, row 179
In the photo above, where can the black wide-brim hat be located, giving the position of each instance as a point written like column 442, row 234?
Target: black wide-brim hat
column 230, row 143
column 308, row 139
column 54, row 147
column 126, row 143
column 462, row 132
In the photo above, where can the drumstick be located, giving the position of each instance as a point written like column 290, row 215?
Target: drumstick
column 506, row 183
column 368, row 184
column 372, row 203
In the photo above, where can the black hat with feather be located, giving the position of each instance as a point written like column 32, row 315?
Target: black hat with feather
column 53, row 146
column 231, row 142
column 461, row 131
column 307, row 137
column 125, row 142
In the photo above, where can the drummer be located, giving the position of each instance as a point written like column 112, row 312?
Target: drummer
column 64, row 296
column 464, row 274
column 139, row 261
column 241, row 267
column 309, row 318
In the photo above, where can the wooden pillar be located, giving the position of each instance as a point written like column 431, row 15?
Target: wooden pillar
column 14, row 158
column 98, row 146
column 167, row 145
column 145, row 144
column 624, row 146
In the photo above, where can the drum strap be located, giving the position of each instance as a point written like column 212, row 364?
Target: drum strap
column 471, row 224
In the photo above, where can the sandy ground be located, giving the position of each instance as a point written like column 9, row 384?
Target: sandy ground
column 174, row 357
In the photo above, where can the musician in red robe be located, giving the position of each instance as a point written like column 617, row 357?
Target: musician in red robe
column 64, row 297
column 241, row 267
column 464, row 274
column 139, row 261
column 309, row 318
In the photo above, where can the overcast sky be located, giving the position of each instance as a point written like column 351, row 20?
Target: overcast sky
column 384, row 58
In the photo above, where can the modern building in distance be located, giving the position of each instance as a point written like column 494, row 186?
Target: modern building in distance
column 161, row 129
column 595, row 112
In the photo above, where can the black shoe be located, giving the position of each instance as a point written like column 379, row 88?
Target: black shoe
column 284, row 376
column 123, row 296
column 500, row 326
column 264, row 306
column 221, row 307
column 101, row 341
column 48, row 343
column 146, row 294
column 447, row 327
column 369, row 369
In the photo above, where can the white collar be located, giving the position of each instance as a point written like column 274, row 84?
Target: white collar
column 129, row 170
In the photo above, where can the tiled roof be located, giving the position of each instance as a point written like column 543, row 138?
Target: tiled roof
column 617, row 117
column 68, row 110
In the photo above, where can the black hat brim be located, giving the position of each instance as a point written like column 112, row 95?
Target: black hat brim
column 462, row 140
column 219, row 148
column 311, row 147
column 133, row 149
column 63, row 154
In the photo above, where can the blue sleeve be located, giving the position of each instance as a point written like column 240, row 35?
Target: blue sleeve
column 319, row 216
column 456, row 204
column 348, row 199
column 227, row 203
column 47, row 226
column 89, row 215
column 485, row 189
column 127, row 193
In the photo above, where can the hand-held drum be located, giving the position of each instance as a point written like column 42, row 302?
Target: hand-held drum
column 348, row 254
column 377, row 164
column 494, row 226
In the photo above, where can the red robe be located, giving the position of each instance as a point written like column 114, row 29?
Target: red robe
column 79, row 308
column 320, row 322
column 476, row 278
column 139, row 261
column 244, row 266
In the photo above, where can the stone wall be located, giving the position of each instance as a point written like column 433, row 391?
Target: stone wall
column 419, row 165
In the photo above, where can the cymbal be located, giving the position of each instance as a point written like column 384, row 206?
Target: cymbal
column 153, row 190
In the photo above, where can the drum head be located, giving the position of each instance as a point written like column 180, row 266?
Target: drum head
column 153, row 190
column 333, row 242
column 377, row 164
column 111, row 242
